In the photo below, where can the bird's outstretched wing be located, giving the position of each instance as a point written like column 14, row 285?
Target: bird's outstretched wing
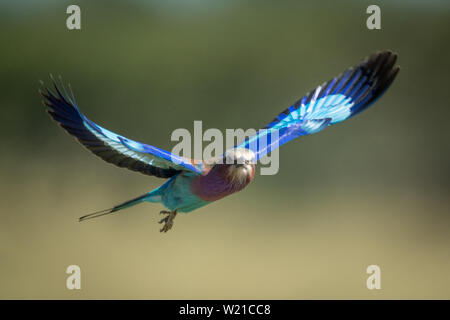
column 334, row 101
column 109, row 146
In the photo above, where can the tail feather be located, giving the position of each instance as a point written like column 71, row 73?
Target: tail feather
column 121, row 206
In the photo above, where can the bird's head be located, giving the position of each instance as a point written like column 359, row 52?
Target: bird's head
column 240, row 164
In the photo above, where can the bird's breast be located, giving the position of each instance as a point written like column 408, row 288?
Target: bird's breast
column 222, row 180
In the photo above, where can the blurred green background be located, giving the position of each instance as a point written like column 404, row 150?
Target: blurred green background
column 373, row 190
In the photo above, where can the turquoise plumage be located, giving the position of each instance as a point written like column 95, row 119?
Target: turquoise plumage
column 193, row 184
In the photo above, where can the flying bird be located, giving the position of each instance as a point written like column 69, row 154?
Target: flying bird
column 194, row 184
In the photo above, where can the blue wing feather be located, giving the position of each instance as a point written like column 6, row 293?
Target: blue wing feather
column 110, row 146
column 336, row 100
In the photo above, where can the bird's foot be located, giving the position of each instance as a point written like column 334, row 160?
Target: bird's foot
column 168, row 221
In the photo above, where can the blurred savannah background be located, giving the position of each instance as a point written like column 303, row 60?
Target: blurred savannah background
column 372, row 190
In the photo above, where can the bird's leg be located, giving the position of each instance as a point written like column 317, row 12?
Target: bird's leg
column 168, row 221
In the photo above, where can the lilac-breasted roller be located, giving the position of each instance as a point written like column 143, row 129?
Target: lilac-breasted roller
column 193, row 184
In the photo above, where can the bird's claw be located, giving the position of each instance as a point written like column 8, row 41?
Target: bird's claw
column 168, row 221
